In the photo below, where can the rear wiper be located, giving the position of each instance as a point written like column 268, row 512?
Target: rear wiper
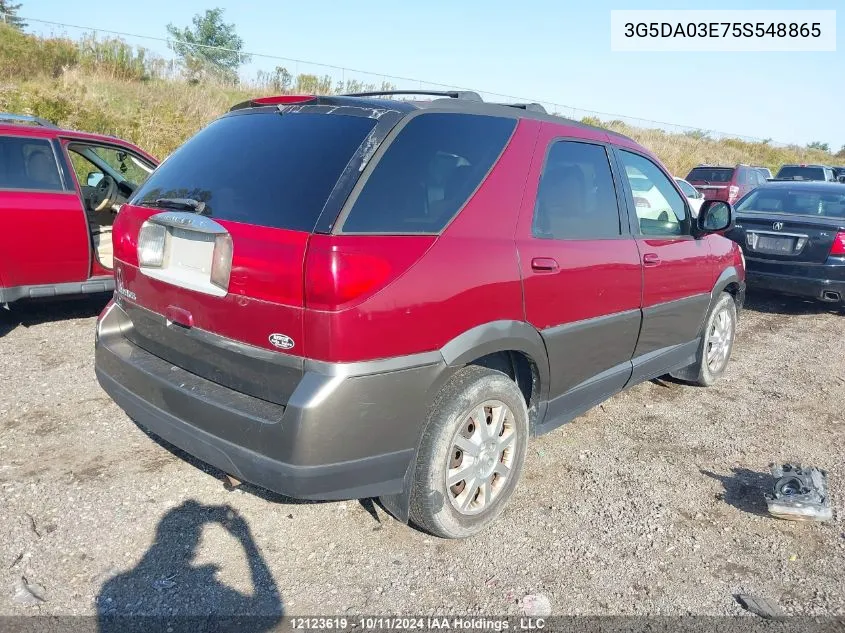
column 179, row 204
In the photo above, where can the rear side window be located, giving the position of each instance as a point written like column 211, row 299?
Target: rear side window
column 427, row 173
column 710, row 174
column 269, row 169
column 576, row 198
column 27, row 163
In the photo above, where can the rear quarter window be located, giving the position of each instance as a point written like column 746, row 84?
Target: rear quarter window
column 263, row 168
column 427, row 173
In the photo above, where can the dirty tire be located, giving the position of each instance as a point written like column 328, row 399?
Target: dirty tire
column 431, row 505
column 701, row 372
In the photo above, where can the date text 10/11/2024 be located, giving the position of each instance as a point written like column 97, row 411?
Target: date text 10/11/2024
column 427, row 623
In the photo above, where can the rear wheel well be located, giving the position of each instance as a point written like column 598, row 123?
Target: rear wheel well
column 522, row 369
column 732, row 289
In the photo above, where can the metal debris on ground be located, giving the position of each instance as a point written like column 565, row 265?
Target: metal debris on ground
column 799, row 494
column 759, row 605
column 28, row 594
column 536, row 605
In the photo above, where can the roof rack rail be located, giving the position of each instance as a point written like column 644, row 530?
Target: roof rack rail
column 531, row 107
column 466, row 95
column 26, row 118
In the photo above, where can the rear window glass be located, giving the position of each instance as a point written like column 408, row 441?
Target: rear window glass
column 807, row 202
column 711, row 174
column 428, row 172
column 802, row 173
column 268, row 169
column 27, row 163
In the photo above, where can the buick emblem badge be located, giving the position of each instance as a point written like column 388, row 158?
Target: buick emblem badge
column 281, row 341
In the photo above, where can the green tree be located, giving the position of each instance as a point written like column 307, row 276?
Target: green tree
column 9, row 14
column 825, row 147
column 210, row 44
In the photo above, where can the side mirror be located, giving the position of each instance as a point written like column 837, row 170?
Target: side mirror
column 714, row 216
column 94, row 177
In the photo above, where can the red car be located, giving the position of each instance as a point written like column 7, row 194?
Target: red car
column 352, row 296
column 725, row 183
column 59, row 193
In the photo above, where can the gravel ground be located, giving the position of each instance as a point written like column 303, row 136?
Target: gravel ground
column 649, row 504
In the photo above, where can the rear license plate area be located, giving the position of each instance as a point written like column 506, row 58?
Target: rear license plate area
column 775, row 245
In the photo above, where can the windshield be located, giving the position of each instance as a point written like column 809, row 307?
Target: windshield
column 263, row 168
column 710, row 174
column 801, row 173
column 798, row 202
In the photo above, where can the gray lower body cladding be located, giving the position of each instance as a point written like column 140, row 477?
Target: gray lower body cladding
column 96, row 285
column 316, row 430
column 338, row 436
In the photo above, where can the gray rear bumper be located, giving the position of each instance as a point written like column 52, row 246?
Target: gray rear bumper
column 348, row 430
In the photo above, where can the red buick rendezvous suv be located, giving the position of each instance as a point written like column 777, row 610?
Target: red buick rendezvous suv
column 359, row 296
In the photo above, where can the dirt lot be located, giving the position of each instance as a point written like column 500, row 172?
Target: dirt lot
column 651, row 503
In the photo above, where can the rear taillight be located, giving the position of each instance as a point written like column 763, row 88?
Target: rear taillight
column 333, row 278
column 733, row 193
column 221, row 261
column 151, row 241
column 838, row 247
column 342, row 270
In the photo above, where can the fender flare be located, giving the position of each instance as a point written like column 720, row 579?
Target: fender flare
column 729, row 275
column 499, row 336
column 484, row 339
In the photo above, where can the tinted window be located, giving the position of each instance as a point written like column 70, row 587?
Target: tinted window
column 801, row 202
column 801, row 173
column 428, row 172
column 576, row 198
column 27, row 163
column 710, row 174
column 688, row 189
column 268, row 169
column 660, row 208
column 90, row 162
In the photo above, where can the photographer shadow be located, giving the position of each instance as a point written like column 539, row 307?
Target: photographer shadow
column 166, row 591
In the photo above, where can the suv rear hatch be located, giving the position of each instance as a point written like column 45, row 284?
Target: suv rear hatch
column 210, row 252
column 714, row 183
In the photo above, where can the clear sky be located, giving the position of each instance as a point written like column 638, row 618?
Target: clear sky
column 553, row 51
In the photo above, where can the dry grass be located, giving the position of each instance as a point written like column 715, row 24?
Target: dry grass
column 110, row 87
column 681, row 152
